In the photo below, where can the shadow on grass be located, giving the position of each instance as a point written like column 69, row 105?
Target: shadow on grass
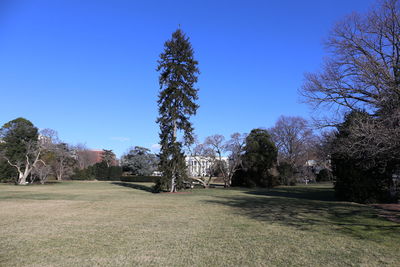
column 307, row 208
column 310, row 193
column 135, row 186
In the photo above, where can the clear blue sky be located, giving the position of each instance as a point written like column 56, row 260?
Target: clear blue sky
column 86, row 68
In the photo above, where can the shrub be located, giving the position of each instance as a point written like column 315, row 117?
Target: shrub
column 7, row 173
column 98, row 171
column 259, row 160
column 139, row 179
column 286, row 174
column 84, row 174
column 324, row 175
column 360, row 177
column 359, row 184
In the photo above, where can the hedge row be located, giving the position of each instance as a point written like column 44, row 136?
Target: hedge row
column 139, row 179
column 136, row 179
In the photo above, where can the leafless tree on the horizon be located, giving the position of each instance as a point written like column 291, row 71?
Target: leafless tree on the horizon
column 294, row 138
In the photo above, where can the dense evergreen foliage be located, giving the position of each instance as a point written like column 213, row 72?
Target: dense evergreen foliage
column 176, row 103
column 99, row 171
column 359, row 178
column 287, row 173
column 325, row 175
column 17, row 137
column 139, row 161
column 258, row 160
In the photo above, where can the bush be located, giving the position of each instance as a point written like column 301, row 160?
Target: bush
column 7, row 173
column 359, row 184
column 324, row 175
column 248, row 178
column 239, row 178
column 259, row 160
column 84, row 174
column 140, row 179
column 98, row 171
column 286, row 174
column 359, row 177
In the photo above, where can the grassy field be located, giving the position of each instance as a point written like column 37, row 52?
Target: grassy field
column 122, row 224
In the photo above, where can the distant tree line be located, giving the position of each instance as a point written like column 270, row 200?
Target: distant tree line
column 359, row 148
column 28, row 156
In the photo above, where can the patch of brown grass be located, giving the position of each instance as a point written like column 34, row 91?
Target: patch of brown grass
column 106, row 224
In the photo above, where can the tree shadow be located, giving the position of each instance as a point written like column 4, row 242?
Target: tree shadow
column 308, row 209
column 310, row 193
column 135, row 186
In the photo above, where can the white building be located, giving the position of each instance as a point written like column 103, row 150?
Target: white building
column 199, row 166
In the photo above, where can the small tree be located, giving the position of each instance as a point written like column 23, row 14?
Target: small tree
column 235, row 149
column 216, row 145
column 176, row 103
column 83, row 156
column 63, row 162
column 286, row 173
column 41, row 172
column 324, row 175
column 204, row 157
column 108, row 157
column 57, row 155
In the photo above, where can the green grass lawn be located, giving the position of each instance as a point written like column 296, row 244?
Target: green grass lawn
column 116, row 223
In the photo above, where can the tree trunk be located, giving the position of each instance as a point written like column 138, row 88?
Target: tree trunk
column 23, row 175
column 173, row 179
column 21, row 178
column 59, row 175
column 173, row 185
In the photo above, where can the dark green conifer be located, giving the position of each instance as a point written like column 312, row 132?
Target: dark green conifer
column 178, row 75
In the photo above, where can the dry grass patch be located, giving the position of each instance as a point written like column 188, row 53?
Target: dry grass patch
column 117, row 224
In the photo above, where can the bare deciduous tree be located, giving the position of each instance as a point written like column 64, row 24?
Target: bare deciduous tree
column 234, row 147
column 293, row 137
column 363, row 70
column 41, row 172
column 59, row 155
column 205, row 158
column 83, row 156
column 216, row 144
column 63, row 162
column 363, row 73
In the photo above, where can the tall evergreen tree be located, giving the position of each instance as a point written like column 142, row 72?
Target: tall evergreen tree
column 178, row 75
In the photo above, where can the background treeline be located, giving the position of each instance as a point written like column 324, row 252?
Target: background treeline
column 98, row 171
column 29, row 156
column 359, row 150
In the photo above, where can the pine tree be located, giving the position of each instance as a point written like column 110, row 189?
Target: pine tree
column 176, row 103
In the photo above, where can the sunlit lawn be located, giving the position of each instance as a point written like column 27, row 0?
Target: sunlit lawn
column 114, row 224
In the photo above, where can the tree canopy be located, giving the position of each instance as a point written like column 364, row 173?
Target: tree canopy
column 139, row 161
